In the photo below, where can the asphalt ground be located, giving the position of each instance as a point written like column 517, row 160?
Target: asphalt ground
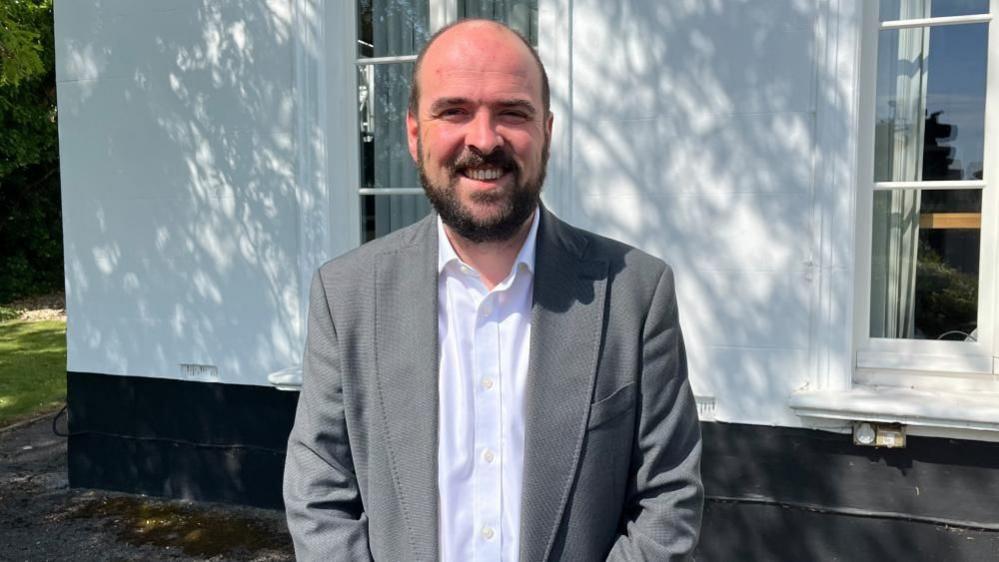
column 41, row 518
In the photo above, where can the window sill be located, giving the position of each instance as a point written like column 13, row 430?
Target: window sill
column 920, row 408
column 287, row 379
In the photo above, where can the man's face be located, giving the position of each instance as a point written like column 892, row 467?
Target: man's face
column 481, row 135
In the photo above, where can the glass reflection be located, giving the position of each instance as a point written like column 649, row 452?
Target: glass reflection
column 930, row 105
column 521, row 15
column 924, row 264
column 890, row 10
column 381, row 214
column 389, row 28
column 383, row 96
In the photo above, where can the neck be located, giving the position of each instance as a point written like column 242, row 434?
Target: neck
column 493, row 260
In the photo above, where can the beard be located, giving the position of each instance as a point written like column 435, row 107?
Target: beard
column 514, row 204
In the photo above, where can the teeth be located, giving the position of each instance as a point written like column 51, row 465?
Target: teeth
column 484, row 174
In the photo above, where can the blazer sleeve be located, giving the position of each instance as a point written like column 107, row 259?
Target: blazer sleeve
column 326, row 518
column 662, row 516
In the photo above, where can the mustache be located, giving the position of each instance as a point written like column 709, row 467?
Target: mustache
column 498, row 158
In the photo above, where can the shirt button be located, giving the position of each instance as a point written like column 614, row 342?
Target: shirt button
column 487, row 383
column 466, row 270
column 488, row 533
column 488, row 456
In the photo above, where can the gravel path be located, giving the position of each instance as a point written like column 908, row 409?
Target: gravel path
column 43, row 307
column 42, row 519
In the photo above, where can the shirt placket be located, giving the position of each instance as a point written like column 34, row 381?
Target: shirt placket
column 488, row 434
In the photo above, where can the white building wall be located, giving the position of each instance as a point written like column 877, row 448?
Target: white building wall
column 694, row 138
column 717, row 135
column 178, row 179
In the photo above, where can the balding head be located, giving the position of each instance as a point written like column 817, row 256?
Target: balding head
column 455, row 35
column 479, row 129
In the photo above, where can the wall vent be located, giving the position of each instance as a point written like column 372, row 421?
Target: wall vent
column 199, row 372
column 705, row 407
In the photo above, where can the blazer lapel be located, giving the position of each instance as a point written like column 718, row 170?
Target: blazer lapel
column 567, row 324
column 406, row 362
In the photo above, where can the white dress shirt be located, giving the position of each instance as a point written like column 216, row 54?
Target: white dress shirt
column 484, row 339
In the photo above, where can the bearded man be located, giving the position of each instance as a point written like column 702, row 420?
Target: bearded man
column 492, row 383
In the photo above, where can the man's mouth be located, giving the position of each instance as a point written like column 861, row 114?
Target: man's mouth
column 486, row 173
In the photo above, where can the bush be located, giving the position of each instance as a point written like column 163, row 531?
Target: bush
column 7, row 313
column 30, row 208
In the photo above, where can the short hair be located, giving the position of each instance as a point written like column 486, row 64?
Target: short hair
column 414, row 87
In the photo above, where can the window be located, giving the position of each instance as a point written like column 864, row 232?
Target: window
column 390, row 33
column 930, row 213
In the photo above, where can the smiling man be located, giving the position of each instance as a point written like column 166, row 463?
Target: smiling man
column 492, row 383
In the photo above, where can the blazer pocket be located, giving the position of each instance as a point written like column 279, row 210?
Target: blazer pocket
column 620, row 402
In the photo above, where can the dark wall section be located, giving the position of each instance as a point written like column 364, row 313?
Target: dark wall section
column 179, row 439
column 797, row 494
column 737, row 532
column 774, row 494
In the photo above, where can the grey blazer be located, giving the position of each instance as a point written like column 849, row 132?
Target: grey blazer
column 612, row 443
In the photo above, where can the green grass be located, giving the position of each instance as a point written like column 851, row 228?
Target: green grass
column 32, row 369
column 7, row 313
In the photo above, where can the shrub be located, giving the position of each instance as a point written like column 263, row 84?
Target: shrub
column 30, row 213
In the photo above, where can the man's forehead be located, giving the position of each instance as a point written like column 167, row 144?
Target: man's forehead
column 509, row 79
column 476, row 50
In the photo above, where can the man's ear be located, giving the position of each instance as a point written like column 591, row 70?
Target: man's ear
column 548, row 124
column 413, row 135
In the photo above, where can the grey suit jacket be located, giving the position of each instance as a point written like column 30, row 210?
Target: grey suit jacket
column 612, row 443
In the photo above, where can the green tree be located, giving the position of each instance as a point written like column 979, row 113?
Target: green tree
column 20, row 49
column 30, row 213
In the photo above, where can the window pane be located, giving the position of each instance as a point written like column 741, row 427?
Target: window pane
column 383, row 95
column 924, row 265
column 388, row 28
column 521, row 15
column 931, row 103
column 890, row 10
column 381, row 214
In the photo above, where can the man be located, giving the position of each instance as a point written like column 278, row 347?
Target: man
column 492, row 383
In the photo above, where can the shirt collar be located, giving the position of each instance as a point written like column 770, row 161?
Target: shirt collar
column 446, row 253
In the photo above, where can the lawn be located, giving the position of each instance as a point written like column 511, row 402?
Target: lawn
column 32, row 369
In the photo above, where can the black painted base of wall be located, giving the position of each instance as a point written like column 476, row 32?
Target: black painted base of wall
column 736, row 532
column 178, row 439
column 785, row 494
column 773, row 493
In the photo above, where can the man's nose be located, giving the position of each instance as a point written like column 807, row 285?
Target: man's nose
column 482, row 133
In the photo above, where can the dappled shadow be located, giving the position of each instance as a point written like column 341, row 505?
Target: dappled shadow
column 32, row 360
column 31, row 338
column 717, row 135
column 178, row 158
column 694, row 138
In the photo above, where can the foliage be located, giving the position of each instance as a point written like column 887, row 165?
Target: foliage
column 20, row 49
column 30, row 213
column 7, row 313
column 946, row 299
column 32, row 369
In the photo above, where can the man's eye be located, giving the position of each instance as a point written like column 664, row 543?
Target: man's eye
column 452, row 112
column 516, row 116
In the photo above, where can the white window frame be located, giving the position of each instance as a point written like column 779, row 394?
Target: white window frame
column 935, row 388
column 891, row 361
